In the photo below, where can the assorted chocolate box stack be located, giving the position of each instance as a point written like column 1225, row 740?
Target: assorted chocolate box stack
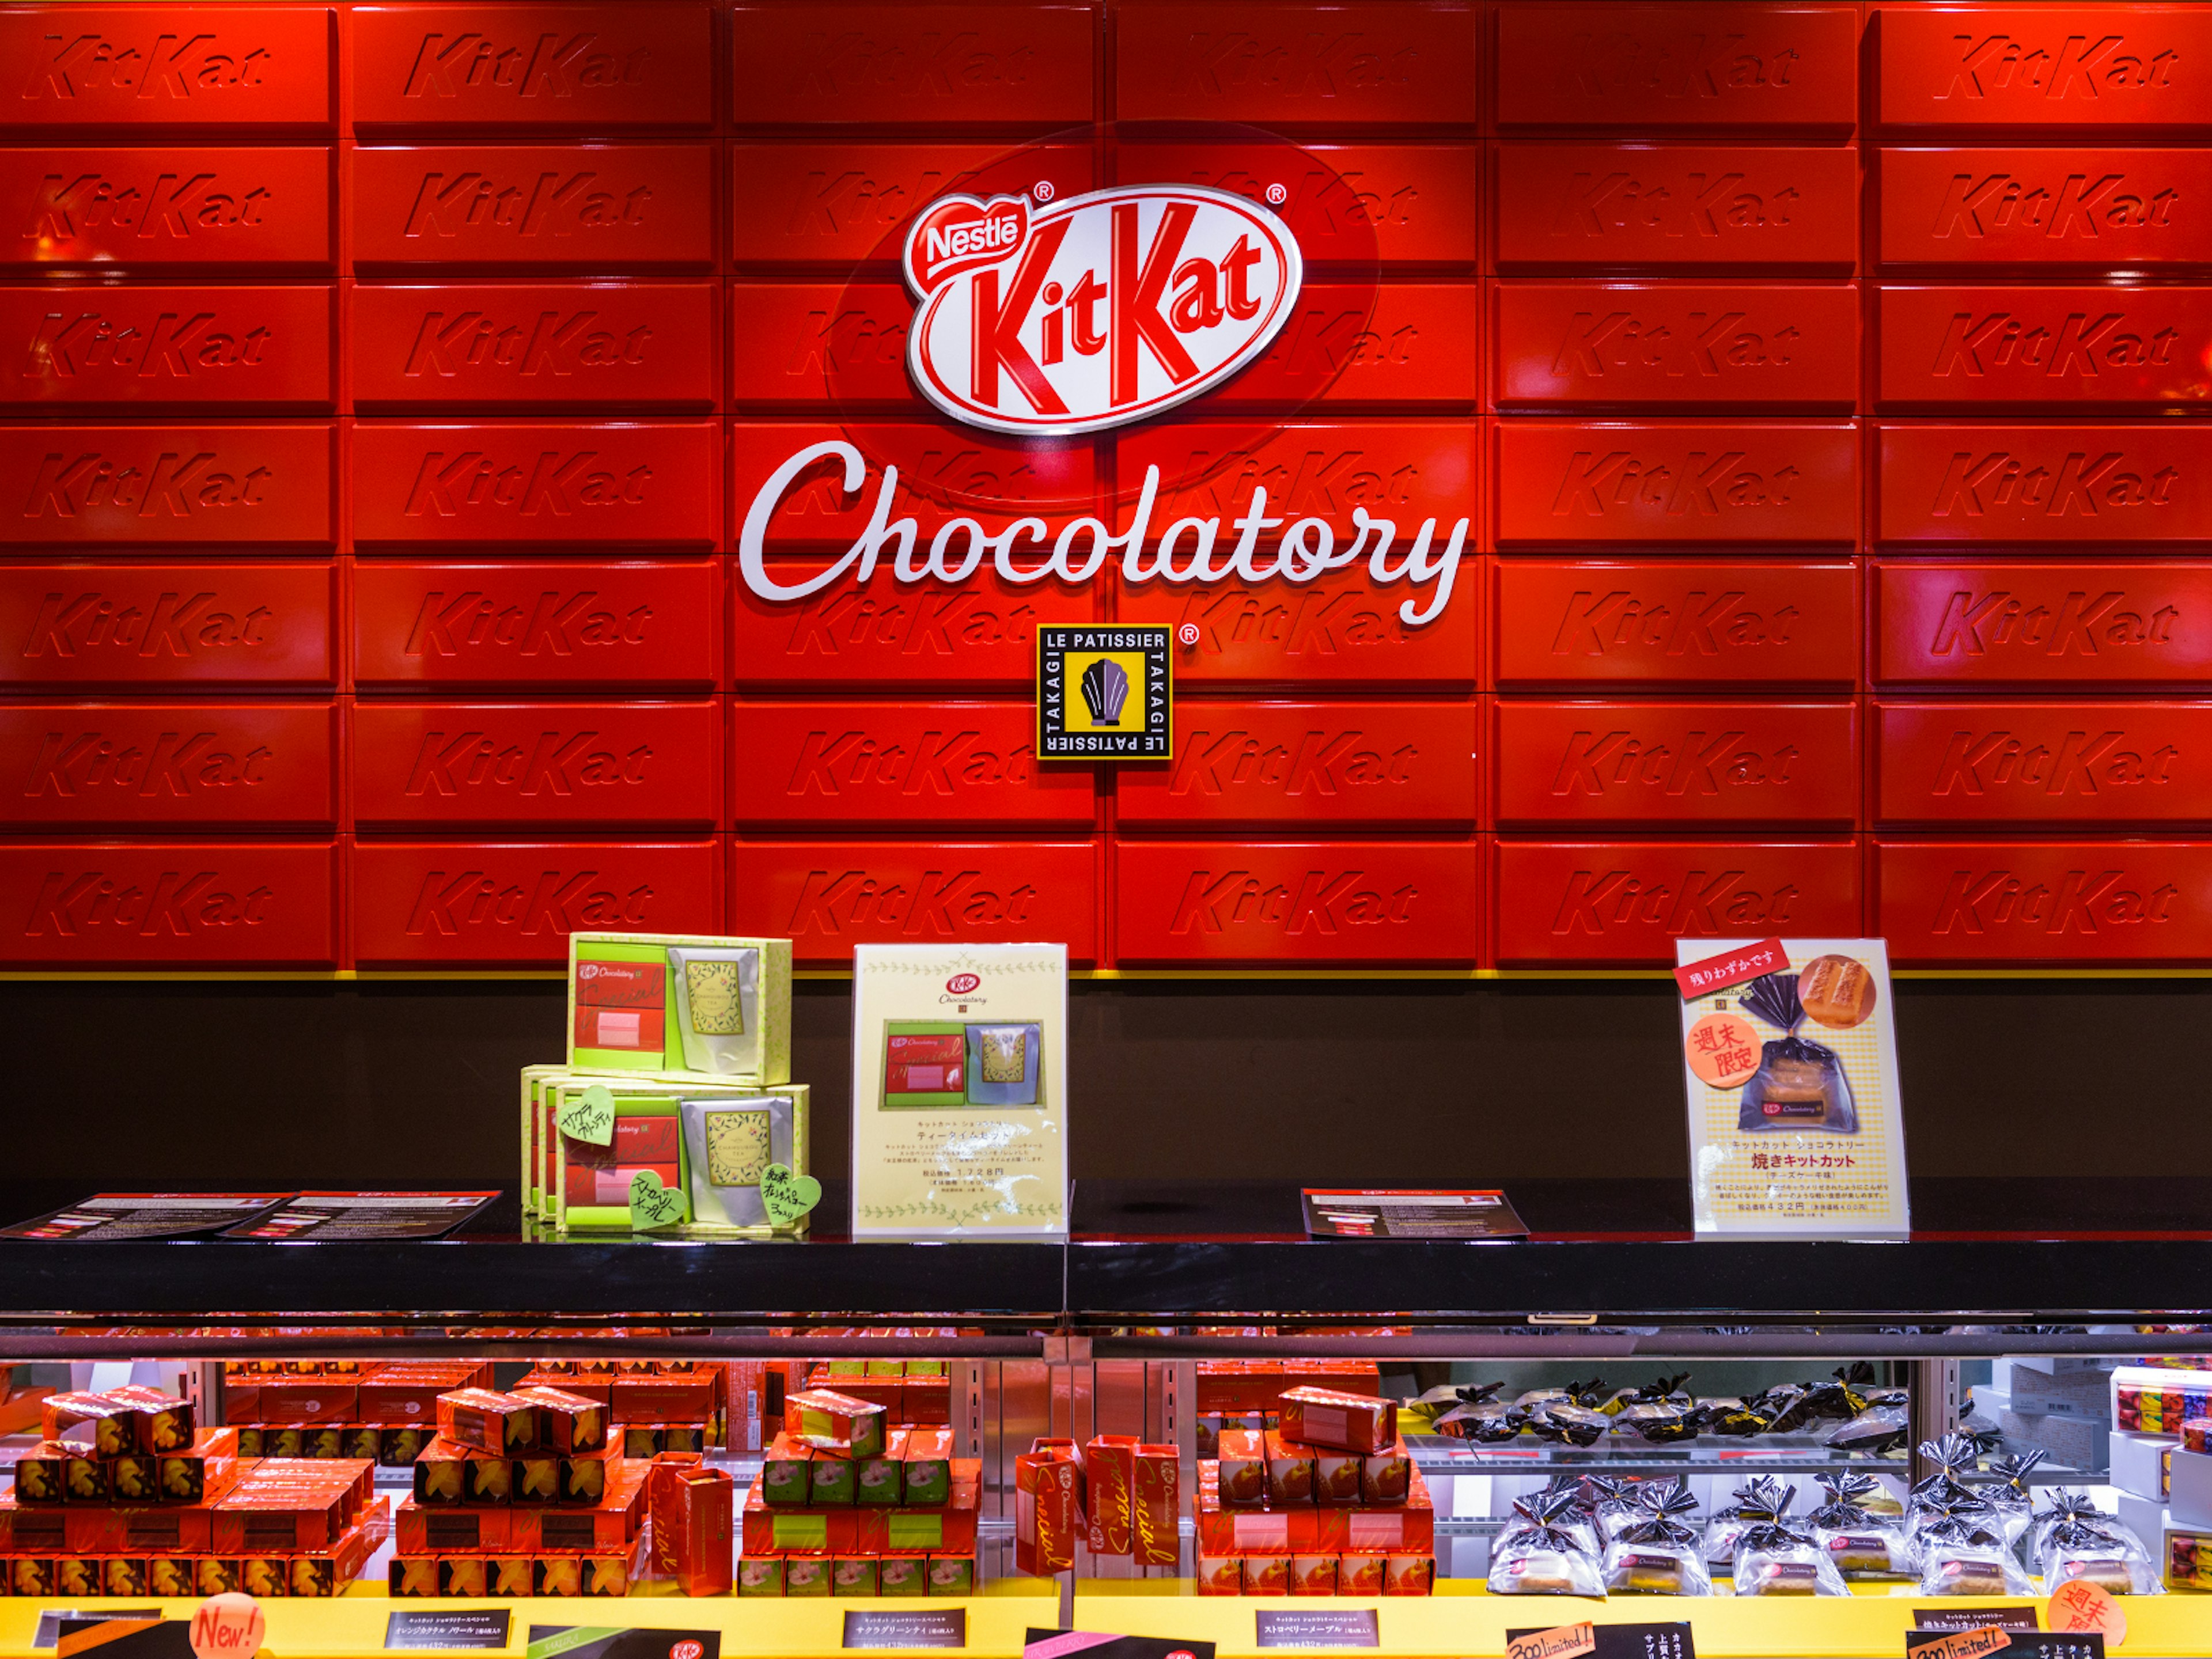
column 1329, row 1502
column 2142, row 1409
column 1114, row 1494
column 523, row 1492
column 662, row 1404
column 125, row 1496
column 848, row 1503
column 1247, row 1394
column 384, row 1411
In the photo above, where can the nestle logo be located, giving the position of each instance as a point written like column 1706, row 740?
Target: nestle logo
column 1596, row 624
column 2083, row 901
column 961, row 984
column 169, row 484
column 553, row 481
column 171, row 344
column 1699, row 487
column 549, row 67
column 2082, row 344
column 1974, row 483
column 179, row 764
column 555, row 900
column 551, row 343
column 178, row 625
column 556, row 203
column 2057, row 205
column 182, row 905
column 167, row 66
column 1326, row 902
column 941, row 904
column 555, row 623
column 2081, row 763
column 1596, row 900
column 1325, row 762
column 1974, row 622
column 2053, row 69
column 554, row 762
column 1697, row 204
column 162, row 205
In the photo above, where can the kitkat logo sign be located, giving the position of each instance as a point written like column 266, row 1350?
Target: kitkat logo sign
column 1093, row 312
column 961, row 984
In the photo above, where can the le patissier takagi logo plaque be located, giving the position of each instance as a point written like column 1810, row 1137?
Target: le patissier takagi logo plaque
column 1048, row 320
column 1105, row 691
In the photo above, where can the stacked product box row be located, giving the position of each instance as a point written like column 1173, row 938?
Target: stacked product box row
column 384, row 1411
column 1247, row 1394
column 124, row 1495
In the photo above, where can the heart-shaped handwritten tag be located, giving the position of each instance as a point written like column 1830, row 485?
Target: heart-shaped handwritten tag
column 590, row 1116
column 787, row 1196
column 651, row 1204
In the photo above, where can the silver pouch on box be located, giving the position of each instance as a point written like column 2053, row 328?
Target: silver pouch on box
column 727, row 1142
column 1002, row 1063
column 717, row 1008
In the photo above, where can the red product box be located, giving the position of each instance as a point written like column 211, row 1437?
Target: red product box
column 99, row 348
column 1290, row 1472
column 1624, row 207
column 1229, row 63
column 889, row 1392
column 663, row 1398
column 1676, row 67
column 2025, row 624
column 1351, row 1422
column 1240, row 1470
column 642, row 344
column 1596, row 483
column 175, row 766
column 1353, row 764
column 1688, row 764
column 89, row 904
column 417, row 1530
column 500, row 903
column 828, row 1529
column 1220, row 1575
column 1948, row 347
column 930, row 1063
column 2042, row 901
column 110, row 1426
column 173, row 1529
column 691, row 1507
column 2042, row 210
column 1626, row 902
column 1109, row 1481
column 483, row 1419
column 532, row 207
column 1409, row 1575
column 888, row 66
column 572, row 1424
column 1156, row 1506
column 2090, row 763
column 531, row 625
column 1313, row 1575
column 2043, row 485
column 130, row 66
column 855, row 765
column 828, row 895
column 1396, row 901
column 179, row 485
column 2063, row 68
column 1656, row 623
column 1266, row 1573
column 574, row 68
column 1047, row 1508
column 925, row 1399
column 168, row 207
column 1361, row 1574
column 622, row 985
column 650, row 482
column 81, row 626
column 1623, row 345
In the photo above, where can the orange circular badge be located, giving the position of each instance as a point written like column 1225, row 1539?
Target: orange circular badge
column 1723, row 1049
column 2081, row 1607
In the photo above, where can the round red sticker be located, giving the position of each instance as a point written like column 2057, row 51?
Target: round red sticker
column 226, row 1627
column 1723, row 1049
column 2081, row 1607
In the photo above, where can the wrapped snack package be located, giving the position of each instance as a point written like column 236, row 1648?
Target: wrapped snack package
column 1539, row 1557
column 1612, row 1503
column 1572, row 1514
column 1659, row 1412
column 1480, row 1417
column 1572, row 1425
column 1738, row 1419
column 2004, row 1489
column 1873, row 1431
column 2074, row 1538
column 1953, row 1456
column 1774, row 1558
column 1840, row 1400
column 1963, row 1551
column 1862, row 1544
column 1722, row 1527
column 1658, row 1553
column 1800, row 1084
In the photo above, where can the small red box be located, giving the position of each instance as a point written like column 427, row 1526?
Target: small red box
column 1047, row 1507
column 1409, row 1575
column 1328, row 1417
column 1241, row 1469
column 1220, row 1575
column 1109, row 1478
column 1267, row 1575
column 692, row 1509
column 1156, row 1507
column 1313, row 1575
column 485, row 1420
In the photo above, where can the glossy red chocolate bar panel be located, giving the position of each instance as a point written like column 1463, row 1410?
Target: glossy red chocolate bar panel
column 1409, row 471
column 144, row 627
column 1350, row 764
column 996, row 65
column 137, row 905
column 2055, row 209
column 1666, row 623
column 1949, row 347
column 1680, row 764
column 502, row 905
column 611, row 484
column 2119, row 902
column 532, row 207
column 885, row 765
column 1400, row 204
column 1623, row 207
column 830, row 206
column 540, row 345
column 800, row 346
column 162, row 207
column 790, row 482
column 186, row 484
column 2100, row 763
column 1405, row 344
column 1681, row 483
column 579, row 69
column 175, row 766
column 1315, row 903
column 2081, row 486
column 1675, row 344
column 2023, row 625
column 1344, row 628
column 550, row 623
column 2067, row 68
column 153, row 67
column 80, row 347
column 1385, row 64
column 979, row 632
column 577, row 765
column 826, row 897
column 1681, row 66
column 1628, row 901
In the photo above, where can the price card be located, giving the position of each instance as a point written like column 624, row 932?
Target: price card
column 474, row 1627
column 51, row 1618
column 1949, row 1618
column 1353, row 1627
column 1641, row 1641
column 933, row 1628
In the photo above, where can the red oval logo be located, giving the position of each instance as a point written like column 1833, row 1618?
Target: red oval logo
column 961, row 984
column 688, row 1651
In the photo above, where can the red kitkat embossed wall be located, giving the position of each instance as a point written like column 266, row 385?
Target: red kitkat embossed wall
column 1730, row 468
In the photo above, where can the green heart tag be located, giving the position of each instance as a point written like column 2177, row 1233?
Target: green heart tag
column 590, row 1116
column 651, row 1204
column 787, row 1196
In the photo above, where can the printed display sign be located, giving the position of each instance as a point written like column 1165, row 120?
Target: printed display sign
column 1591, row 493
column 960, row 1091
column 1796, row 1129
